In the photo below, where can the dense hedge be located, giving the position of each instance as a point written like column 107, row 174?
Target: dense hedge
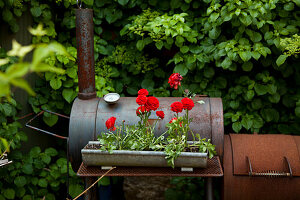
column 225, row 49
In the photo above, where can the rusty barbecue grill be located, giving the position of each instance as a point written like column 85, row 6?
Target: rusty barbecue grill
column 89, row 113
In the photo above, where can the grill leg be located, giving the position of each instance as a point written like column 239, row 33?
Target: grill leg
column 91, row 194
column 209, row 189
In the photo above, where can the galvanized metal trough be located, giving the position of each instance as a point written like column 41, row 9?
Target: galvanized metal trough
column 96, row 157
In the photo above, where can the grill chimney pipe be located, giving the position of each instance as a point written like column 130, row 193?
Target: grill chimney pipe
column 85, row 53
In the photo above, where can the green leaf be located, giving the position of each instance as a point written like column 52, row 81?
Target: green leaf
column 7, row 15
column 55, row 83
column 51, row 120
column 249, row 95
column 270, row 114
column 43, row 182
column 20, row 192
column 7, row 109
column 27, row 197
column 114, row 72
column 255, row 55
column 123, row 2
column 34, row 152
column 17, row 70
column 214, row 33
column 132, row 90
column 258, row 122
column 256, row 104
column 9, row 193
column 234, row 104
column 140, row 45
column 247, row 123
column 247, row 66
column 105, row 181
column 148, row 84
column 236, row 126
column 42, row 67
column 72, row 72
column 275, row 98
column 179, row 39
column 181, row 69
column 226, row 63
column 20, row 181
column 272, row 89
column 75, row 190
column 184, row 49
column 281, row 59
column 214, row 16
column 245, row 55
column 69, row 94
column 89, row 2
column 21, row 83
column 159, row 44
column 27, row 168
column 51, row 151
column 46, row 159
column 288, row 6
column 36, row 11
column 3, row 143
column 260, row 89
column 175, row 4
column 297, row 2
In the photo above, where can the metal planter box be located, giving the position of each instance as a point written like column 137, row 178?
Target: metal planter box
column 94, row 157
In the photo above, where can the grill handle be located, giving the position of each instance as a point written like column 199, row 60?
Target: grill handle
column 271, row 173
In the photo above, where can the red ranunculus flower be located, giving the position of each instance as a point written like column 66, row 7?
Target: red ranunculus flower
column 110, row 123
column 177, row 107
column 143, row 92
column 187, row 103
column 140, row 110
column 141, row 99
column 152, row 103
column 160, row 114
column 173, row 120
column 174, row 80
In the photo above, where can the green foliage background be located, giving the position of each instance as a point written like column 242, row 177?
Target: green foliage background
column 228, row 49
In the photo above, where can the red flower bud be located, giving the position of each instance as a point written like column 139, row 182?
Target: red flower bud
column 173, row 120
